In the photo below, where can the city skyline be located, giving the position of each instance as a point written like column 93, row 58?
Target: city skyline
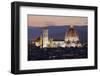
column 54, row 37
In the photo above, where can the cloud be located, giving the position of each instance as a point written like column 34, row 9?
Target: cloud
column 42, row 21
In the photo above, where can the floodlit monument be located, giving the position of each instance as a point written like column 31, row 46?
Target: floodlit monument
column 71, row 39
column 45, row 37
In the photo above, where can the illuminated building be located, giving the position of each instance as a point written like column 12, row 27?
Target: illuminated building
column 58, row 43
column 71, row 40
column 38, row 42
column 45, row 37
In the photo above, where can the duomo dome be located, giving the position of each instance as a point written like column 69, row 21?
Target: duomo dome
column 72, row 38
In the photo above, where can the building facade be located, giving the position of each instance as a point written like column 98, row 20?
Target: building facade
column 71, row 39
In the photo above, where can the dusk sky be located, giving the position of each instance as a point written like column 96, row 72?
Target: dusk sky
column 42, row 21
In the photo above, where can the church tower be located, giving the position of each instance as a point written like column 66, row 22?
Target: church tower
column 72, row 38
column 45, row 37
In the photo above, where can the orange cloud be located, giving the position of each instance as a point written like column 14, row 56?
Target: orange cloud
column 42, row 21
